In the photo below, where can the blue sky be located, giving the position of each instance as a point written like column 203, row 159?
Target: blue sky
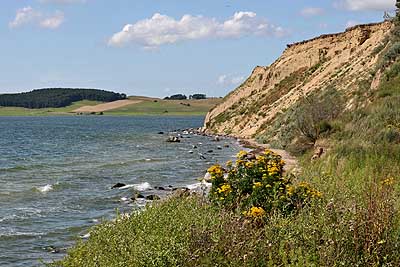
column 157, row 48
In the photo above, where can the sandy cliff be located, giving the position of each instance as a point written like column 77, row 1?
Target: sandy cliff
column 334, row 60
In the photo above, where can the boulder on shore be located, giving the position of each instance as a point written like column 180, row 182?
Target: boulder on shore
column 173, row 139
column 152, row 197
column 118, row 185
column 137, row 196
column 182, row 192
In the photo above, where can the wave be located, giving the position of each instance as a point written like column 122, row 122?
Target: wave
column 44, row 189
column 129, row 163
column 14, row 169
column 139, row 187
column 21, row 234
column 23, row 168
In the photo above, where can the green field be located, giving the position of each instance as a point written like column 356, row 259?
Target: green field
column 151, row 106
column 17, row 111
column 148, row 106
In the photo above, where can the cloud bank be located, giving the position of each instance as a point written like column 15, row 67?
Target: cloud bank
column 360, row 5
column 161, row 29
column 226, row 80
column 28, row 15
column 312, row 11
column 62, row 1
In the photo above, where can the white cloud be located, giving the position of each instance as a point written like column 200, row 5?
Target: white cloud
column 53, row 22
column 323, row 25
column 24, row 16
column 161, row 29
column 359, row 5
column 312, row 11
column 227, row 80
column 351, row 23
column 28, row 15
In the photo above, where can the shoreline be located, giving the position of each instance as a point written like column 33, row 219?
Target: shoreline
column 257, row 148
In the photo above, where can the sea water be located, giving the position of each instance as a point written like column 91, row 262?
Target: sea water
column 56, row 175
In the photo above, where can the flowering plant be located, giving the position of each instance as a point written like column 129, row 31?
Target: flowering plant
column 255, row 186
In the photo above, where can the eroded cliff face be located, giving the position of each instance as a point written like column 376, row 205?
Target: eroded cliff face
column 340, row 60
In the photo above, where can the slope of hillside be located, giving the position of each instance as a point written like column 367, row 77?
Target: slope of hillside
column 340, row 62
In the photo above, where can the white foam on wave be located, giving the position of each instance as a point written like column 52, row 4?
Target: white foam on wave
column 45, row 189
column 21, row 234
column 139, row 187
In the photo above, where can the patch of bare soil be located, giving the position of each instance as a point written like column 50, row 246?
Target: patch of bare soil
column 106, row 106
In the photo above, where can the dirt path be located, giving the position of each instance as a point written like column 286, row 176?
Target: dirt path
column 107, row 106
column 291, row 161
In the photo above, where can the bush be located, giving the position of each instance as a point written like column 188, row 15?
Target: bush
column 256, row 187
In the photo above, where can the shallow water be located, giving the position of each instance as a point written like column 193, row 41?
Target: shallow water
column 56, row 174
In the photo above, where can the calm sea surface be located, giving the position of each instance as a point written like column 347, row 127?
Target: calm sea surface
column 56, row 174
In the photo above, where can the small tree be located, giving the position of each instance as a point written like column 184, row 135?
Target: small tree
column 316, row 112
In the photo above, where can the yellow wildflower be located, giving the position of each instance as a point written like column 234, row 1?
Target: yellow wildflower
column 215, row 170
column 249, row 165
column 241, row 154
column 290, row 190
column 225, row 189
column 256, row 185
column 388, row 181
column 256, row 212
column 273, row 170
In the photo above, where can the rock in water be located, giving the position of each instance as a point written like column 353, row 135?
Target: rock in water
column 136, row 196
column 118, row 185
column 207, row 177
column 173, row 139
column 159, row 188
column 152, row 197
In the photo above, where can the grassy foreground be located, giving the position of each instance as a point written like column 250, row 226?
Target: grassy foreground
column 356, row 222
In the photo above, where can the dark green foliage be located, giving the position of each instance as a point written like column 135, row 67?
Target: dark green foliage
column 56, row 97
column 311, row 118
column 176, row 97
column 198, row 96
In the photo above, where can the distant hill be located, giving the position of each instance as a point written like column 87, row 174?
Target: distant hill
column 57, row 97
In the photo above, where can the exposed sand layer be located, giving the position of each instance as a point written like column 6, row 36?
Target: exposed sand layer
column 107, row 106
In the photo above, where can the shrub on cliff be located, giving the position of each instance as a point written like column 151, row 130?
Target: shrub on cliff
column 256, row 186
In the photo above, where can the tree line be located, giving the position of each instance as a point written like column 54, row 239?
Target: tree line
column 57, row 97
column 183, row 97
